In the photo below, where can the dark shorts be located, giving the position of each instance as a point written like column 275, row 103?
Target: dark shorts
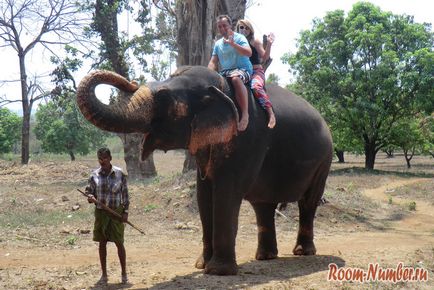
column 108, row 228
column 237, row 72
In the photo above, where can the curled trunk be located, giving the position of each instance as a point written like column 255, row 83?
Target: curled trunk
column 131, row 114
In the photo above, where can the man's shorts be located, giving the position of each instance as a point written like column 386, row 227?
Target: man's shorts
column 107, row 227
column 237, row 72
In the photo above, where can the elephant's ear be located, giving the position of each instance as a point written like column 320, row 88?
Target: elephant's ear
column 216, row 123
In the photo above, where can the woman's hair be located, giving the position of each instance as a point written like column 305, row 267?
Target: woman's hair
column 245, row 22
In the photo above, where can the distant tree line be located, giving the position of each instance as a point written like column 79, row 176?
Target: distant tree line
column 370, row 73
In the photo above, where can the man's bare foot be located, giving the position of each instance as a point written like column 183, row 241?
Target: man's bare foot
column 271, row 118
column 242, row 125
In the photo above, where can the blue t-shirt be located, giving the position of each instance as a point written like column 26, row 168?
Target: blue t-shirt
column 229, row 58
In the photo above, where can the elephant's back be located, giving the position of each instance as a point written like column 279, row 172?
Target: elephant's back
column 300, row 144
column 301, row 139
column 296, row 118
column 287, row 104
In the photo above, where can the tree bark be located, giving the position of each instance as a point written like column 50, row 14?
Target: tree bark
column 408, row 157
column 25, row 130
column 196, row 19
column 136, row 169
column 106, row 24
column 71, row 155
column 370, row 154
column 389, row 153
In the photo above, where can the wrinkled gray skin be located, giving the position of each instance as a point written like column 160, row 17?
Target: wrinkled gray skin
column 194, row 110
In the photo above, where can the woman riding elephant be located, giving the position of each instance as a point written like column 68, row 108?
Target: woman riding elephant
column 259, row 56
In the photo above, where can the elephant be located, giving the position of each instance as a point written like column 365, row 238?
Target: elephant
column 194, row 109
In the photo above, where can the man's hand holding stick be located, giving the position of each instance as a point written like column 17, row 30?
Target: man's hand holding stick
column 92, row 199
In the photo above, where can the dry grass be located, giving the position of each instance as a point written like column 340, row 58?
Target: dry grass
column 37, row 215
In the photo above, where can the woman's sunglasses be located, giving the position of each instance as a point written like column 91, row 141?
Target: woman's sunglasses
column 243, row 27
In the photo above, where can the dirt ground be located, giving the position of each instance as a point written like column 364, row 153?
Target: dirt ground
column 384, row 217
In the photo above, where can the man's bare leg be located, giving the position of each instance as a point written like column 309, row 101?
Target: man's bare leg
column 123, row 261
column 102, row 249
column 241, row 96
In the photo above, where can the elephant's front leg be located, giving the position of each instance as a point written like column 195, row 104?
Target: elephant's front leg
column 204, row 200
column 226, row 207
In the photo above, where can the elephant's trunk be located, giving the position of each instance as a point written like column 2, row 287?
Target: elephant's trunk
column 133, row 113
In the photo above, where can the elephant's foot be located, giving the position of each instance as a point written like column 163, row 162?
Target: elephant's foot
column 200, row 262
column 203, row 259
column 221, row 268
column 304, row 249
column 263, row 254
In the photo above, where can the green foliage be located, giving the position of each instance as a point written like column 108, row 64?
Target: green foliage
column 10, row 124
column 365, row 72
column 154, row 48
column 427, row 129
column 71, row 240
column 272, row 79
column 150, row 207
column 412, row 206
column 62, row 129
column 59, row 125
column 158, row 40
column 407, row 135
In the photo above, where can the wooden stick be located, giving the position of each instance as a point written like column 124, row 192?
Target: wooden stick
column 280, row 213
column 115, row 214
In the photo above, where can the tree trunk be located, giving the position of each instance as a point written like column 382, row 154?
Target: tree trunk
column 340, row 155
column 25, row 128
column 408, row 157
column 72, row 156
column 25, row 137
column 136, row 169
column 389, row 153
column 370, row 154
column 106, row 24
column 197, row 20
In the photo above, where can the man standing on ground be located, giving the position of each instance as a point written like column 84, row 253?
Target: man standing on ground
column 108, row 185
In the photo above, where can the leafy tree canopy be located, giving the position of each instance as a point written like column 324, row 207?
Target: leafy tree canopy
column 365, row 72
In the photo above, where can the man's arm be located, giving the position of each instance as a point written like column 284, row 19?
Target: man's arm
column 213, row 63
column 243, row 50
column 91, row 190
column 243, row 47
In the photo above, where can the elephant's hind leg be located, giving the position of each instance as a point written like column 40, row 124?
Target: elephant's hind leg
column 267, row 245
column 305, row 245
column 307, row 208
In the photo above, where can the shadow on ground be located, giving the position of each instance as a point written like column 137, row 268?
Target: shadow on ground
column 364, row 171
column 255, row 273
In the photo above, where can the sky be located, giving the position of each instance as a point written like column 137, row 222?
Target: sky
column 285, row 18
